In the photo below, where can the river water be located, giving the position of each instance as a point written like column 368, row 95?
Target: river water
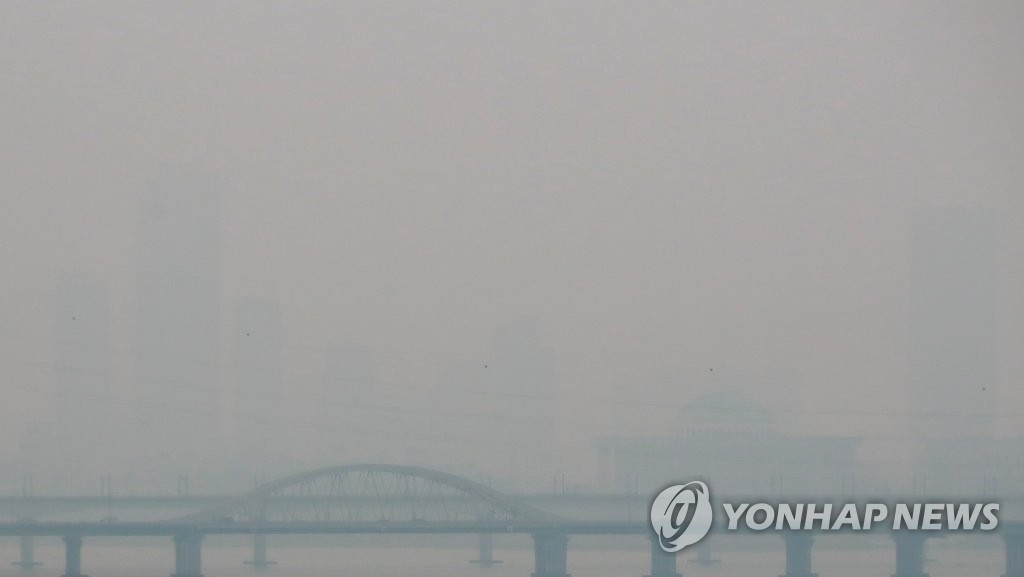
column 395, row 556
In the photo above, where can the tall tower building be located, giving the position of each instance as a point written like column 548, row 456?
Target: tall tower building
column 348, row 412
column 86, row 407
column 526, row 401
column 178, row 321
column 258, row 378
column 461, row 412
column 951, row 322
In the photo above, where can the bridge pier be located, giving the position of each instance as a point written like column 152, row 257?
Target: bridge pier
column 662, row 564
column 27, row 560
column 486, row 558
column 909, row 554
column 798, row 554
column 259, row 552
column 1014, row 553
column 550, row 554
column 73, row 556
column 704, row 557
column 188, row 561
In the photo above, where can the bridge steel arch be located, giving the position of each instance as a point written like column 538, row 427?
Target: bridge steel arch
column 362, row 493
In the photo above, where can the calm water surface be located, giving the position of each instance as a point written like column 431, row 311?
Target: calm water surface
column 449, row 557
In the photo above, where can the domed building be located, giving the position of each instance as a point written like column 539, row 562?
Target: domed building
column 727, row 412
column 733, row 443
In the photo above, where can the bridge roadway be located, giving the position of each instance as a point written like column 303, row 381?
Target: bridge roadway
column 550, row 541
column 171, row 528
column 604, row 507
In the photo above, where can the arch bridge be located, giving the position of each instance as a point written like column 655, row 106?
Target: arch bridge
column 377, row 498
column 371, row 493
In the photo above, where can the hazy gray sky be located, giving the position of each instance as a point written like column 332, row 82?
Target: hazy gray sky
column 663, row 188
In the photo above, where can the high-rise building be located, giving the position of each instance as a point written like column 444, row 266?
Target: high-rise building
column 257, row 368
column 952, row 351
column 86, row 406
column 348, row 409
column 526, row 400
column 178, row 382
column 951, row 322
